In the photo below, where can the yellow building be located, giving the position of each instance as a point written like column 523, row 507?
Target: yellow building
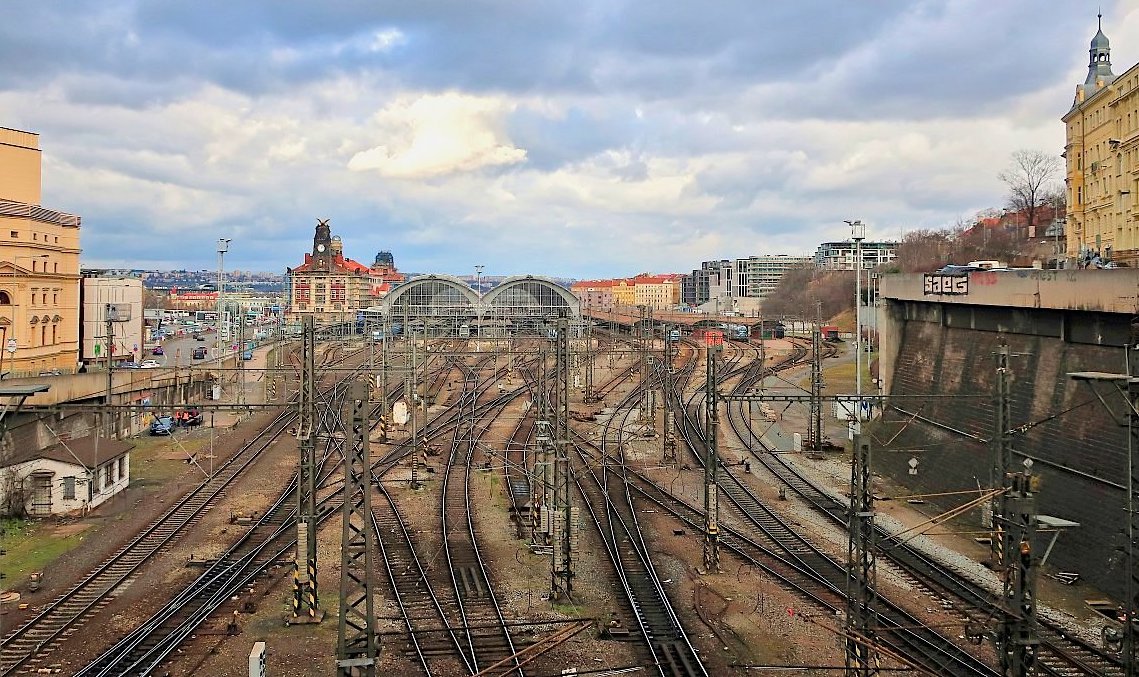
column 1102, row 160
column 39, row 267
column 624, row 293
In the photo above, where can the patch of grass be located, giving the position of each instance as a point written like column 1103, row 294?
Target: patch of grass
column 150, row 462
column 31, row 546
column 567, row 609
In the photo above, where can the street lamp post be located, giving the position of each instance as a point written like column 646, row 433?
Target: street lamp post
column 858, row 234
column 223, row 247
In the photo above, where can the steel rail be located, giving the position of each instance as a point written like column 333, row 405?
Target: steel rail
column 1062, row 650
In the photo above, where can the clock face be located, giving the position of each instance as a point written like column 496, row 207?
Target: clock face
column 320, row 248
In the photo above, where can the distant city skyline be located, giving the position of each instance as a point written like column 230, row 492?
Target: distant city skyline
column 566, row 140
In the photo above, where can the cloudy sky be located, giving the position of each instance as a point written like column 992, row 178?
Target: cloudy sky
column 585, row 138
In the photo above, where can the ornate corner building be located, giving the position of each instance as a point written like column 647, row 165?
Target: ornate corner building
column 331, row 287
column 1102, row 160
column 39, row 267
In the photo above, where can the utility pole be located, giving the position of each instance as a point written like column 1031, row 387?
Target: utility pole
column 357, row 646
column 862, row 659
column 711, row 459
column 564, row 536
column 815, row 417
column 306, row 602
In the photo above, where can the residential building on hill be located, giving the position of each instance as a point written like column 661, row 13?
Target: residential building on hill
column 1101, row 153
column 39, row 267
column 840, row 255
column 757, row 276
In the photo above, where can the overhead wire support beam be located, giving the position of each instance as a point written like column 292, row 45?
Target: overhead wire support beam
column 357, row 646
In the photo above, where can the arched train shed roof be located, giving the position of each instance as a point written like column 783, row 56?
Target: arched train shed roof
column 530, row 296
column 431, row 295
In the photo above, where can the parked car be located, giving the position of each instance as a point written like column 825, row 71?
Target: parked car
column 158, row 350
column 958, row 270
column 200, row 353
column 149, row 364
column 162, row 425
column 127, row 365
column 199, row 337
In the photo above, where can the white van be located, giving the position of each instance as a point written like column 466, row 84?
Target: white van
column 988, row 265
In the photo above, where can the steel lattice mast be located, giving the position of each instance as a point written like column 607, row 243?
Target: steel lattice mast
column 1014, row 524
column 357, row 646
column 862, row 659
column 711, row 459
column 563, row 536
column 306, row 602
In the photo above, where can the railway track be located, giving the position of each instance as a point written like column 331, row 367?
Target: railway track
column 471, row 585
column 1060, row 653
column 270, row 539
column 923, row 646
column 28, row 646
column 604, row 488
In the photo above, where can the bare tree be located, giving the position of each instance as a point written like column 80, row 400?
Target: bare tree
column 1028, row 178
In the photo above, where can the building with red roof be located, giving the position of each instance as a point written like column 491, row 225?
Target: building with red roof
column 332, row 287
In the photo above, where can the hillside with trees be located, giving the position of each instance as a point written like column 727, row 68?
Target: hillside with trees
column 1025, row 233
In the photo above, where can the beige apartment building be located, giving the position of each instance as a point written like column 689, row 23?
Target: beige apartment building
column 1102, row 160
column 39, row 267
column 656, row 291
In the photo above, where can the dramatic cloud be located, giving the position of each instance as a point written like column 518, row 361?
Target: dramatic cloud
column 602, row 137
column 438, row 135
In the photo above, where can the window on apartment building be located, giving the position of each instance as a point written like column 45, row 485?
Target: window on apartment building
column 35, row 236
column 69, row 488
column 43, row 301
column 43, row 335
column 106, row 475
column 54, row 339
column 55, row 267
column 57, row 239
column 55, row 299
column 5, row 299
column 34, row 264
column 118, row 468
column 15, row 233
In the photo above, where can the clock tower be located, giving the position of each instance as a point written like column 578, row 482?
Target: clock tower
column 322, row 245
